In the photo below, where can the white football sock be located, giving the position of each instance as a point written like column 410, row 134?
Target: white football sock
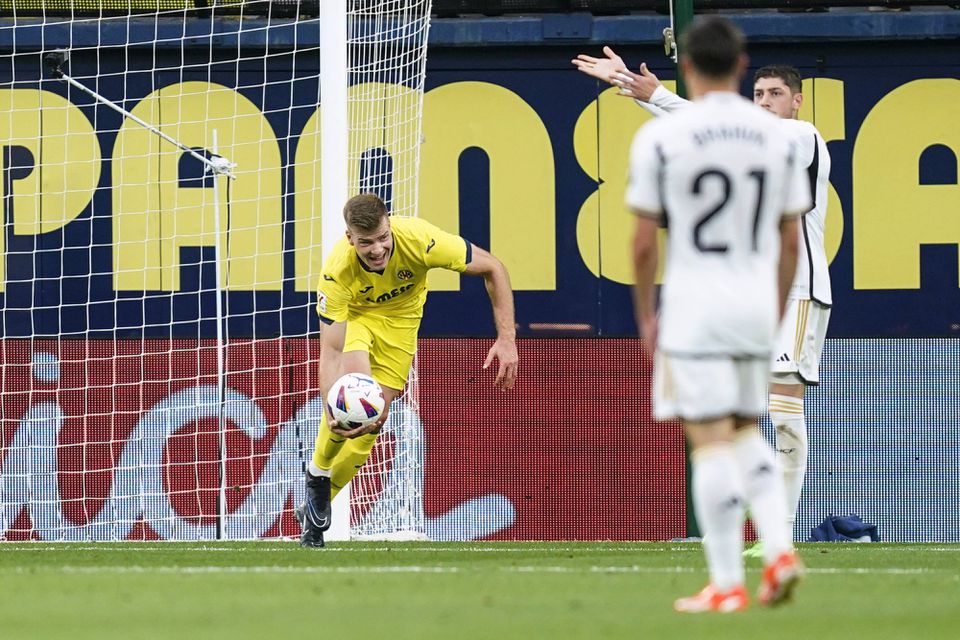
column 316, row 471
column 763, row 488
column 786, row 414
column 718, row 504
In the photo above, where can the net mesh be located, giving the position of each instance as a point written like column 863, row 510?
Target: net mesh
column 158, row 378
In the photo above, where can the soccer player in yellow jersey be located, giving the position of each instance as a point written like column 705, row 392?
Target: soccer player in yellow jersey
column 370, row 300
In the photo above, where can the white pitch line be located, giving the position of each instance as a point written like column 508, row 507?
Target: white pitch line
column 400, row 569
column 163, row 546
column 139, row 569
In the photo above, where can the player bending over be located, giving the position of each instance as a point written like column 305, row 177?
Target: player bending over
column 370, row 300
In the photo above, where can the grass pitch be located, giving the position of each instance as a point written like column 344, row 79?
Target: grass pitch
column 395, row 591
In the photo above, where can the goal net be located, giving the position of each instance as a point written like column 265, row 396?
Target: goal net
column 162, row 234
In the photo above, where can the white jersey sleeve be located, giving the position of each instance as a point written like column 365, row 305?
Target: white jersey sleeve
column 666, row 100
column 652, row 109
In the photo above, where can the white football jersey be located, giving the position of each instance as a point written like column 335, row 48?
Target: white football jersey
column 813, row 275
column 721, row 174
column 812, row 281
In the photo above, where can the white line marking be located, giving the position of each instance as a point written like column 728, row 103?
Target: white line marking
column 399, row 569
column 289, row 546
column 261, row 569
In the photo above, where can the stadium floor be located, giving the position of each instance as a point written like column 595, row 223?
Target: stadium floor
column 456, row 590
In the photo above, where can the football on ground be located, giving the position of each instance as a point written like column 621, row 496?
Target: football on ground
column 355, row 400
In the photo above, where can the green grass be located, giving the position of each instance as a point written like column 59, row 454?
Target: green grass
column 465, row 590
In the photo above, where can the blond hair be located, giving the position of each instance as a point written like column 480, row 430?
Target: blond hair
column 364, row 212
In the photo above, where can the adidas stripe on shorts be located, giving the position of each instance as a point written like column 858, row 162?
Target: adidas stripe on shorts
column 799, row 343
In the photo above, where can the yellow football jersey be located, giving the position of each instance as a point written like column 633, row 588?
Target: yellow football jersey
column 347, row 288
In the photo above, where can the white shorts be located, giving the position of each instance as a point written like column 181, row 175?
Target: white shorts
column 799, row 343
column 703, row 389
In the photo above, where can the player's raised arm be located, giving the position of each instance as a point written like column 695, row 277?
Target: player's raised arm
column 648, row 92
column 644, row 87
column 497, row 282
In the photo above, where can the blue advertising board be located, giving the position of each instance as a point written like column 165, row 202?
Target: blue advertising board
column 521, row 154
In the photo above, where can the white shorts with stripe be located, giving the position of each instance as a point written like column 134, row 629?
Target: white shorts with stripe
column 799, row 343
column 707, row 388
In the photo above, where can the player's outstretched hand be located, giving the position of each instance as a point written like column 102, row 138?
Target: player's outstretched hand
column 639, row 86
column 504, row 350
column 601, row 68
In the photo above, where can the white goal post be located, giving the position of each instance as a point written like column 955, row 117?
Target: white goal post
column 170, row 182
column 373, row 65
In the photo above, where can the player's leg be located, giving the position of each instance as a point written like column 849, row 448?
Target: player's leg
column 719, row 506
column 315, row 514
column 328, row 444
column 790, row 430
column 763, row 488
column 796, row 364
column 392, row 346
column 786, row 402
column 696, row 391
column 355, row 451
column 786, row 413
column 757, row 461
column 356, row 358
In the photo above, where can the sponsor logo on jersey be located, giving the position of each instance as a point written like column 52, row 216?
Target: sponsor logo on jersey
column 390, row 295
column 328, row 278
column 367, row 288
column 431, row 245
column 404, row 274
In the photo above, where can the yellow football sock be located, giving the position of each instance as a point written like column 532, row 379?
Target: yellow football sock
column 328, row 445
column 349, row 460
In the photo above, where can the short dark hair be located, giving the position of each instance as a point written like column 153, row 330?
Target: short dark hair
column 790, row 75
column 365, row 212
column 713, row 45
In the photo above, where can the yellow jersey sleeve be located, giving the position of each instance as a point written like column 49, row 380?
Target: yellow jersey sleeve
column 442, row 250
column 332, row 299
column 333, row 290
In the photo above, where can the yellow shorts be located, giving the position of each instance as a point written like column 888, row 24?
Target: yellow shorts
column 391, row 343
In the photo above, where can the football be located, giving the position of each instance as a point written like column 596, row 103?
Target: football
column 355, row 400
